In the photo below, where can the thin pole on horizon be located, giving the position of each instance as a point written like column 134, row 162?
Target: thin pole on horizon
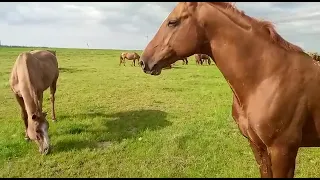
column 147, row 40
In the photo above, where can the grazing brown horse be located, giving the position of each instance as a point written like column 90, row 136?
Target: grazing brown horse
column 185, row 61
column 130, row 56
column 276, row 99
column 200, row 58
column 314, row 56
column 33, row 72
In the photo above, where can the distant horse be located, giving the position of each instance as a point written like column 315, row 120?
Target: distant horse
column 314, row 56
column 130, row 56
column 185, row 61
column 168, row 66
column 33, row 72
column 200, row 58
column 275, row 85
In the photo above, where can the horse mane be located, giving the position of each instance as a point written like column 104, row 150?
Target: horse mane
column 267, row 25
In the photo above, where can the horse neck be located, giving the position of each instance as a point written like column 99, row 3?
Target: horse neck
column 240, row 55
column 31, row 101
column 27, row 88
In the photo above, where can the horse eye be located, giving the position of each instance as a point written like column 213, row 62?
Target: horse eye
column 173, row 23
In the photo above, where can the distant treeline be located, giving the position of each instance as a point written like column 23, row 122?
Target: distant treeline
column 42, row 47
column 16, row 46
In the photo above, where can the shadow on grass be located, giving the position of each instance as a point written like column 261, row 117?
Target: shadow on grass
column 70, row 70
column 179, row 67
column 111, row 128
column 4, row 73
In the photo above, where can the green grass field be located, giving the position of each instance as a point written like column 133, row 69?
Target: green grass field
column 116, row 121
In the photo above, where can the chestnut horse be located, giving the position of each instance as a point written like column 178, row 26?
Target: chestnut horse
column 32, row 73
column 276, row 99
column 130, row 56
column 200, row 58
column 314, row 56
column 184, row 61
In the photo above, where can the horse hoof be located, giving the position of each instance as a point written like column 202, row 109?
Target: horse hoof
column 54, row 120
column 27, row 139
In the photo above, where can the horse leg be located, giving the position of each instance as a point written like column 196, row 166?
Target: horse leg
column 283, row 160
column 260, row 153
column 53, row 89
column 263, row 160
column 24, row 115
column 187, row 61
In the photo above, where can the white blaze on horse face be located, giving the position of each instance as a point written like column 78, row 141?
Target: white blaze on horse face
column 46, row 141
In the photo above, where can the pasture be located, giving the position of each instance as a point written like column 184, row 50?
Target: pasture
column 116, row 121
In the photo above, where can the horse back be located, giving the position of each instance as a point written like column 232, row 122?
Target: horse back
column 23, row 74
column 204, row 56
column 39, row 67
column 49, row 66
column 47, row 60
column 131, row 55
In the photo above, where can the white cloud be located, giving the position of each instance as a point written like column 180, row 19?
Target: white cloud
column 297, row 22
column 125, row 25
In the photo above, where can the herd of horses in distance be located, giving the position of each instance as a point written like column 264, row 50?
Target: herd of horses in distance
column 275, row 84
column 133, row 56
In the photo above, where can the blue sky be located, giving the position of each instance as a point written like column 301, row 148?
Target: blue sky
column 125, row 25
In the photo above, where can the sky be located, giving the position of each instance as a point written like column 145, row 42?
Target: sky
column 131, row 25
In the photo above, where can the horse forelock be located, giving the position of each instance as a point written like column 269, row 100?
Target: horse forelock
column 267, row 25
